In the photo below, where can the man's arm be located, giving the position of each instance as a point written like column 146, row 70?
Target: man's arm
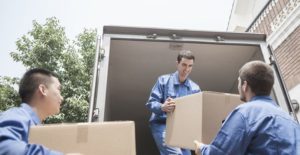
column 13, row 147
column 231, row 139
column 156, row 96
column 13, row 140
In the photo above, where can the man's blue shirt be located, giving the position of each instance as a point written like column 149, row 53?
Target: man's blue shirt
column 258, row 127
column 14, row 130
column 168, row 86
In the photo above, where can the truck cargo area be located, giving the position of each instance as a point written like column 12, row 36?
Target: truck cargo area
column 134, row 67
column 135, row 57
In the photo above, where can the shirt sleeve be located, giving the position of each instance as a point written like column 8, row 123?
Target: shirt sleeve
column 12, row 140
column 231, row 139
column 156, row 98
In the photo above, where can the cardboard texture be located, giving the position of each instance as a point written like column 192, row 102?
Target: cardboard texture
column 198, row 117
column 107, row 138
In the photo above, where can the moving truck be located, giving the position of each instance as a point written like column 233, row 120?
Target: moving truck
column 129, row 60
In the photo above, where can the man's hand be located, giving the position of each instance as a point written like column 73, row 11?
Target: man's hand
column 168, row 106
column 198, row 146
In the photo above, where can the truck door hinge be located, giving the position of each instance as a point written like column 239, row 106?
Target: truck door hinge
column 95, row 114
column 219, row 38
column 272, row 59
column 102, row 53
column 152, row 36
column 295, row 105
column 175, row 36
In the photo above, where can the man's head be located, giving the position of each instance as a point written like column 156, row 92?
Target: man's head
column 41, row 88
column 185, row 61
column 256, row 78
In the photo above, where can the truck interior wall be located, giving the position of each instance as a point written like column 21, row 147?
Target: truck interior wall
column 134, row 67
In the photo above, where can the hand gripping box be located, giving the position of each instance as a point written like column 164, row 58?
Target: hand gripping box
column 107, row 138
column 198, row 117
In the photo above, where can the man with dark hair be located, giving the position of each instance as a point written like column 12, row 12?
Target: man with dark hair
column 161, row 101
column 258, row 126
column 40, row 93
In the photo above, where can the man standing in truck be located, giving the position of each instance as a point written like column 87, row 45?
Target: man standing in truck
column 161, row 101
column 259, row 126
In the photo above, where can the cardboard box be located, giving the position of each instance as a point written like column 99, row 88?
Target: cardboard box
column 107, row 138
column 198, row 117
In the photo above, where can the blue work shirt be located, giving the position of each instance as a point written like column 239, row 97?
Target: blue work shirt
column 168, row 86
column 258, row 127
column 14, row 129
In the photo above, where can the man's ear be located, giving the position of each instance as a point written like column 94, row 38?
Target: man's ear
column 245, row 86
column 42, row 89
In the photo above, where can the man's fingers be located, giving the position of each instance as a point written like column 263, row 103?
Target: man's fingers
column 170, row 103
column 196, row 142
column 169, row 108
column 197, row 147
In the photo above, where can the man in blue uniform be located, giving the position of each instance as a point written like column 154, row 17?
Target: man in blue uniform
column 161, row 101
column 40, row 93
column 258, row 126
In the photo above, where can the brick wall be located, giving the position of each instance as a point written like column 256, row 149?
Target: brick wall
column 288, row 57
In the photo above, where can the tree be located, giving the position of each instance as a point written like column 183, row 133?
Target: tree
column 46, row 46
column 9, row 97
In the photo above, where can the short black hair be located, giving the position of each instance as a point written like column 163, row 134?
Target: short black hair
column 31, row 81
column 185, row 54
column 259, row 76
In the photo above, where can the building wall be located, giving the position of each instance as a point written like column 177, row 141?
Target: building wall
column 288, row 57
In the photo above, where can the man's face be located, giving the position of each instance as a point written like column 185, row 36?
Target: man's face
column 184, row 68
column 53, row 98
column 241, row 91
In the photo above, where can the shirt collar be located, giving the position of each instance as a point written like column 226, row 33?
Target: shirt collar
column 176, row 80
column 260, row 97
column 266, row 98
column 33, row 115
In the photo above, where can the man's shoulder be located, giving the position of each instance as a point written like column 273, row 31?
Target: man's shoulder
column 192, row 83
column 194, row 86
column 260, row 109
column 164, row 78
column 14, row 114
column 247, row 106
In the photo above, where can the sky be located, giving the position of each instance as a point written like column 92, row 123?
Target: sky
column 16, row 18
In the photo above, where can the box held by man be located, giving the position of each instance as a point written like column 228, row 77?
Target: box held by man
column 198, row 117
column 109, row 138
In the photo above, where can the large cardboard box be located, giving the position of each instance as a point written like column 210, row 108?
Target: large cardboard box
column 107, row 138
column 198, row 117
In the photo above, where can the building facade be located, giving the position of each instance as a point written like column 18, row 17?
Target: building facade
column 279, row 20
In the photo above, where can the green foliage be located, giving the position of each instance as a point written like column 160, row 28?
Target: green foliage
column 43, row 46
column 46, row 46
column 9, row 97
